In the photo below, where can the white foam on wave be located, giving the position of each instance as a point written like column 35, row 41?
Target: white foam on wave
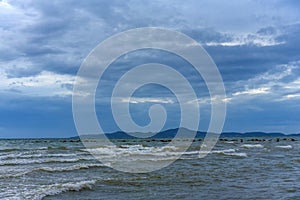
column 224, row 151
column 230, row 152
column 190, row 152
column 142, row 153
column 238, row 154
column 54, row 189
column 111, row 154
column 48, row 155
column 69, row 168
column 137, row 146
column 40, row 161
column 252, row 146
column 14, row 174
column 133, row 150
column 9, row 149
column 21, row 155
column 284, row 147
column 52, row 169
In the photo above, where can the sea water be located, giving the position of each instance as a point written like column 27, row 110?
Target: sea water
column 64, row 169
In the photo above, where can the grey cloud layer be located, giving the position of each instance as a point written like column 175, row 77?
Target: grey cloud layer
column 43, row 43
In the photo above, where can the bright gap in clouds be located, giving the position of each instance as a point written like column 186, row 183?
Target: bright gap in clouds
column 44, row 84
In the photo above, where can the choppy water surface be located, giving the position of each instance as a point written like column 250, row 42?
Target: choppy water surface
column 64, row 169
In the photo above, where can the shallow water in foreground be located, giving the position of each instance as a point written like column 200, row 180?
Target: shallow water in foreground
column 63, row 169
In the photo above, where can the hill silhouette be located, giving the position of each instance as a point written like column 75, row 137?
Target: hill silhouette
column 171, row 133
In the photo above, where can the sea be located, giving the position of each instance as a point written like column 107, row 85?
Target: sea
column 236, row 168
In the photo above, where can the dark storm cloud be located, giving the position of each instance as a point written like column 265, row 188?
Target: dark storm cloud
column 245, row 61
column 59, row 34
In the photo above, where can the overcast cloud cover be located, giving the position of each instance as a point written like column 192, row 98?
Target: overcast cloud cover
column 255, row 44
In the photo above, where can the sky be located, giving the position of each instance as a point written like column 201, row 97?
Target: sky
column 255, row 45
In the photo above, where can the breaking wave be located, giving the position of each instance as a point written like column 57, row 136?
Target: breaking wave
column 54, row 189
column 252, row 146
column 285, row 147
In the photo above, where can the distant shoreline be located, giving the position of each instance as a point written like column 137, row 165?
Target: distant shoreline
column 169, row 133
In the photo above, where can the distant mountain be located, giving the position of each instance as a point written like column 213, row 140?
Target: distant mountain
column 171, row 133
column 294, row 135
column 251, row 134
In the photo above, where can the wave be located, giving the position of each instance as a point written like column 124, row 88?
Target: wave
column 6, row 176
column 22, row 149
column 69, row 168
column 285, row 147
column 49, row 155
column 40, row 161
column 227, row 152
column 58, row 148
column 138, row 153
column 55, row 189
column 230, row 152
column 142, row 153
column 21, row 155
column 252, row 146
column 224, row 151
column 241, row 154
column 190, row 152
column 9, row 149
column 53, row 169
column 132, row 150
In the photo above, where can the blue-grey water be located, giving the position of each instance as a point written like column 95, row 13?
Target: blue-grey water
column 63, row 169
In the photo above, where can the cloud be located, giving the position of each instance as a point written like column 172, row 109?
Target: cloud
column 44, row 84
column 279, row 84
column 46, row 37
column 248, row 39
column 136, row 100
column 292, row 96
column 253, row 43
column 256, row 91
